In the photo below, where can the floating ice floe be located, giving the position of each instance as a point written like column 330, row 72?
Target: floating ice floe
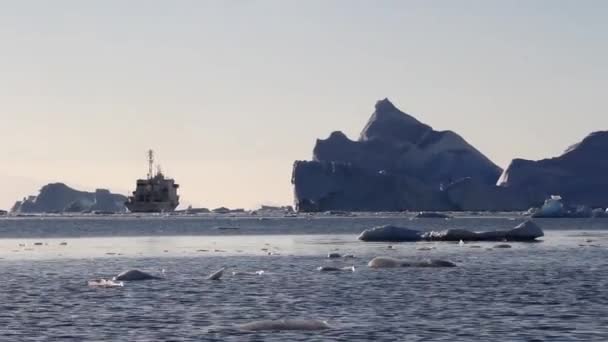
column 526, row 231
column 389, row 233
column 286, row 324
column 387, row 262
column 104, row 283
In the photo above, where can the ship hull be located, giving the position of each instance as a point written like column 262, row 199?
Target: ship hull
column 150, row 207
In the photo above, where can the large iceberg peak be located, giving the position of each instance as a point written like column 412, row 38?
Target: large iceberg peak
column 338, row 135
column 385, row 105
column 594, row 142
column 390, row 124
column 56, row 185
column 397, row 163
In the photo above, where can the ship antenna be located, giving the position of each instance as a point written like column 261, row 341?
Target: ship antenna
column 150, row 164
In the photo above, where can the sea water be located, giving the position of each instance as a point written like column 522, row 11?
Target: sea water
column 550, row 290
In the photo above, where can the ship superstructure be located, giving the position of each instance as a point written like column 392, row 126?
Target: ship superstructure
column 154, row 194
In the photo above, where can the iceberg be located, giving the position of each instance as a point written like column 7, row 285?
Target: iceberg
column 599, row 213
column 553, row 207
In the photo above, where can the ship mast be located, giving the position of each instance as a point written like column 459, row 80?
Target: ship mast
column 150, row 164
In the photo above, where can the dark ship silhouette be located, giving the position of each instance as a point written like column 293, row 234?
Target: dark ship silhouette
column 155, row 194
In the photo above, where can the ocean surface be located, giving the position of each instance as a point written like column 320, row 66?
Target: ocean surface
column 553, row 290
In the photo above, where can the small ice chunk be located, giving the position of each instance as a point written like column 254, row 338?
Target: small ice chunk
column 104, row 283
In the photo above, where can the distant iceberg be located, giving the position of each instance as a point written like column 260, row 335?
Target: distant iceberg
column 553, row 207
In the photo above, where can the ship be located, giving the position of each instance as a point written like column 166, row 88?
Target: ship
column 155, row 194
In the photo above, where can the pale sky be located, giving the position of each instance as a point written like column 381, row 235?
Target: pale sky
column 229, row 93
